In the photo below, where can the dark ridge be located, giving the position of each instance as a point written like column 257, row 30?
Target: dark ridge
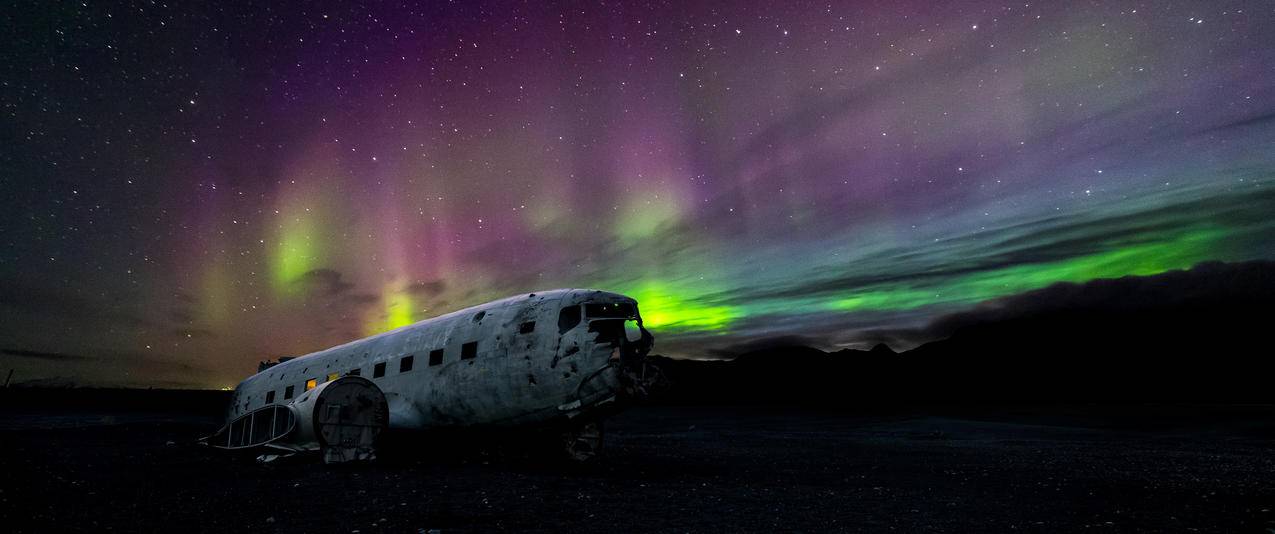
column 1194, row 335
column 211, row 403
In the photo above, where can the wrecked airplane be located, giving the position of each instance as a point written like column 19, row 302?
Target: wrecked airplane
column 565, row 357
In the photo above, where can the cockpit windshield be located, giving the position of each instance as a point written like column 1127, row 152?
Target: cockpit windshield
column 610, row 310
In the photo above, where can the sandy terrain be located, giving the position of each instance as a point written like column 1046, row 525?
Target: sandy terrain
column 701, row 469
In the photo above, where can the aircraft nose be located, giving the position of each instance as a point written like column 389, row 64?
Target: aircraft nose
column 635, row 346
column 638, row 376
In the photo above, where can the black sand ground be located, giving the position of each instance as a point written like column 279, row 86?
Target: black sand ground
column 701, row 469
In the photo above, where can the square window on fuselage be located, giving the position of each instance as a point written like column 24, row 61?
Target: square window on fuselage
column 378, row 370
column 287, row 392
column 269, row 396
column 405, row 364
column 469, row 350
column 436, row 356
column 568, row 318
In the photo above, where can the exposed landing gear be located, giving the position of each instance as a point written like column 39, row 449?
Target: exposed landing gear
column 583, row 442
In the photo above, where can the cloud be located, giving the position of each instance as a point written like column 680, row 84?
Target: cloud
column 48, row 356
column 53, row 382
column 48, row 301
column 361, row 299
column 324, row 282
column 1253, row 120
column 193, row 333
column 431, row 288
column 113, row 357
column 181, row 316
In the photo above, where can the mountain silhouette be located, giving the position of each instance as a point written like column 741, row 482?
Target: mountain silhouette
column 1201, row 334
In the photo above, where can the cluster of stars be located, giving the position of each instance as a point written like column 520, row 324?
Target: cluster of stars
column 230, row 182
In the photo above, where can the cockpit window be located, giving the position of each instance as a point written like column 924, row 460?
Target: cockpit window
column 608, row 332
column 632, row 331
column 568, row 318
column 610, row 310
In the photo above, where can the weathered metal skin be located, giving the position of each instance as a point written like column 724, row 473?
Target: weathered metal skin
column 519, row 374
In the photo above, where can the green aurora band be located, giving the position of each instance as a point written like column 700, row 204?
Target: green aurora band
column 1176, row 230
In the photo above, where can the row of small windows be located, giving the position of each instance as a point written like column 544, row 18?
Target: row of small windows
column 568, row 317
column 468, row 351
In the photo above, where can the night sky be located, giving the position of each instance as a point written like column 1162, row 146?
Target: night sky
column 188, row 189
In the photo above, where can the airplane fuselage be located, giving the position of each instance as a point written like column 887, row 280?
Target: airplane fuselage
column 522, row 360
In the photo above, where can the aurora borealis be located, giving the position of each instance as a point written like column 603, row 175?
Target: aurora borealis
column 190, row 189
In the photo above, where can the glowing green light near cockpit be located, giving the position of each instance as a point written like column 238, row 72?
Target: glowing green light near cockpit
column 669, row 308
